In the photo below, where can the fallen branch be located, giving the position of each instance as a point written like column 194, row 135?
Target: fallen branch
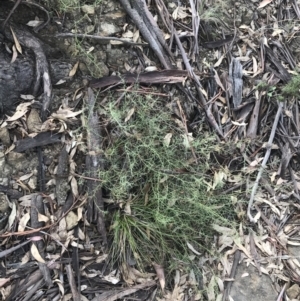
column 154, row 77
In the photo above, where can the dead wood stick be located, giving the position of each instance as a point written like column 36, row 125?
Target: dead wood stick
column 70, row 275
column 263, row 165
column 253, row 124
column 154, row 77
column 145, row 31
column 236, row 259
column 42, row 68
column 93, row 165
column 94, row 37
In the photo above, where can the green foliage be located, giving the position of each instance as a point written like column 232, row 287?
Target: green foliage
column 69, row 5
column 291, row 89
column 160, row 187
column 214, row 13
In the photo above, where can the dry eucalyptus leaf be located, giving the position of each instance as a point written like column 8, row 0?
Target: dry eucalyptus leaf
column 34, row 23
column 18, row 46
column 160, row 274
column 23, row 222
column 193, row 249
column 12, row 215
column 35, row 254
column 74, row 187
column 167, row 139
column 21, row 110
column 74, row 69
column 43, row 218
column 129, row 114
column 15, row 54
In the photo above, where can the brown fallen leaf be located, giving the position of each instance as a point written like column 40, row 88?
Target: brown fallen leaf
column 160, row 274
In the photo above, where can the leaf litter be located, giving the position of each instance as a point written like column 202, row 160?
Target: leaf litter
column 253, row 87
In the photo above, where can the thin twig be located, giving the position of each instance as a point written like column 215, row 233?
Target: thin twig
column 89, row 36
column 263, row 165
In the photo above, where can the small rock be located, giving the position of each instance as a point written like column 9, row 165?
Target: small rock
column 4, row 205
column 293, row 292
column 252, row 287
column 108, row 29
column 16, row 160
column 88, row 9
column 4, row 136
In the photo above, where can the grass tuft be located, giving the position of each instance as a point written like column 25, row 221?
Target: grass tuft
column 162, row 193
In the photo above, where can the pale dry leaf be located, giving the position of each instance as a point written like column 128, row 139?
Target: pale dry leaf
column 224, row 230
column 181, row 14
column 128, row 34
column 167, row 139
column 34, row 23
column 43, row 218
column 254, row 62
column 255, row 162
column 35, row 254
column 90, row 49
column 74, row 187
column 12, row 215
column 79, row 213
column 26, row 177
column 136, row 36
column 218, row 80
column 74, row 69
column 257, row 217
column 18, row 46
column 264, row 3
column 175, row 13
column 60, row 286
column 114, row 277
column 150, row 68
column 192, row 249
column 23, row 222
column 21, row 110
column 27, row 97
column 14, row 54
column 239, row 123
column 25, row 258
column 60, row 82
column 160, row 274
column 129, row 114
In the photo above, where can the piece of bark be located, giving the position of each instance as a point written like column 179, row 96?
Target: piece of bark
column 235, row 75
column 70, row 275
column 62, row 185
column 154, row 77
column 41, row 139
column 42, row 73
column 93, row 165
